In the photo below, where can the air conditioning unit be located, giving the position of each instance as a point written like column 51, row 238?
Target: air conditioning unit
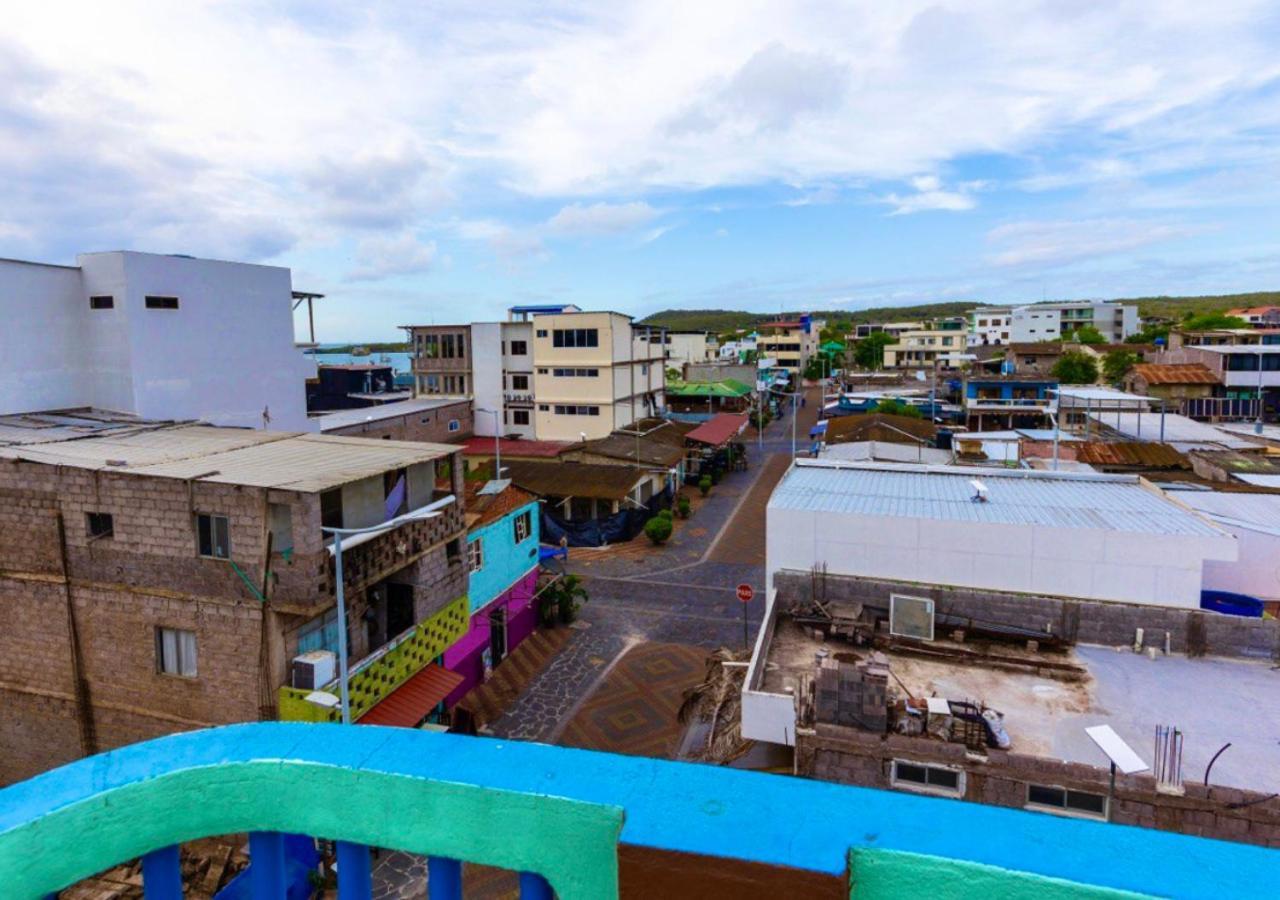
column 312, row 671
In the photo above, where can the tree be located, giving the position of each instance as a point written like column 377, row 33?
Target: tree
column 1117, row 363
column 1212, row 321
column 1149, row 335
column 1076, row 367
column 898, row 408
column 869, row 353
column 815, row 368
column 1087, row 334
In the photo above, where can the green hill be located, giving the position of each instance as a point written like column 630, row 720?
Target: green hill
column 720, row 321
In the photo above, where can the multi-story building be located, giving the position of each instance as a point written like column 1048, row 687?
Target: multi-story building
column 1058, row 321
column 789, row 342
column 1245, row 371
column 990, row 325
column 547, row 373
column 166, row 337
column 926, row 349
column 1258, row 316
column 736, row 350
column 160, row 577
column 894, row 329
column 690, row 347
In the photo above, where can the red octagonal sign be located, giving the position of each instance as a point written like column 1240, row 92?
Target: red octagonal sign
column 745, row 593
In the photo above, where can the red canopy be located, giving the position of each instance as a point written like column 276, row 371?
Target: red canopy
column 718, row 430
column 408, row 704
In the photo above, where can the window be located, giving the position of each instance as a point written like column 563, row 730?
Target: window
column 455, row 425
column 1062, row 800
column 542, row 371
column 577, row 410
column 214, row 534
column 162, row 302
column 519, row 348
column 542, row 407
column 542, row 332
column 575, row 337
column 431, row 346
column 321, row 633
column 176, row 652
column 475, row 555
column 100, row 524
column 453, row 551
column 519, row 382
column 524, row 526
column 520, row 417
column 102, row 302
column 927, row 779
column 911, row 616
column 331, row 508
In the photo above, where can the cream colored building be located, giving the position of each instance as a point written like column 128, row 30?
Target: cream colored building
column 594, row 372
column 791, row 342
column 923, row 349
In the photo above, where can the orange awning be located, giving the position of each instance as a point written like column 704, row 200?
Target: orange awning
column 406, row 705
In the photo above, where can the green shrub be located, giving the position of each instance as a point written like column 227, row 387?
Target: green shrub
column 665, row 514
column 658, row 529
column 704, row 484
column 683, row 507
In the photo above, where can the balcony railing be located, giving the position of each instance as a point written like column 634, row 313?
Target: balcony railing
column 1010, row 404
column 581, row 823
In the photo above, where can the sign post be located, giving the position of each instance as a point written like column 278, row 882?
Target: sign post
column 745, row 593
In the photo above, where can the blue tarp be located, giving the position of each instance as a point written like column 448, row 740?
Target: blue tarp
column 621, row 526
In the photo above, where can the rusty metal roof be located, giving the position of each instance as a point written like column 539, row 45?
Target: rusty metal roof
column 1179, row 373
column 1130, row 453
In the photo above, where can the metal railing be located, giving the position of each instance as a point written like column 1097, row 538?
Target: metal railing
column 581, row 823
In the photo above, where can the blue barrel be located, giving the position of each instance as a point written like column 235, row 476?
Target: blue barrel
column 1231, row 603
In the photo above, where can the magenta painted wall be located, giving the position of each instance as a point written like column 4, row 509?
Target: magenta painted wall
column 466, row 657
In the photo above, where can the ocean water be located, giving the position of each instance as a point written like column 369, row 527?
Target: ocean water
column 401, row 361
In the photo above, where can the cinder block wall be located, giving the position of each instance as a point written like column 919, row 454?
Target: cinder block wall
column 1084, row 621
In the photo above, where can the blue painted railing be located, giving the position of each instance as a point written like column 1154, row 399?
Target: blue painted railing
column 558, row 816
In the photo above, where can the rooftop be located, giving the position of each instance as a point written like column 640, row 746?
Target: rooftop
column 1015, row 497
column 1182, row 373
column 554, row 479
column 347, row 417
column 267, row 459
column 719, row 429
column 1184, row 433
column 1147, row 454
column 515, row 449
column 1258, row 512
column 485, row 508
column 634, row 448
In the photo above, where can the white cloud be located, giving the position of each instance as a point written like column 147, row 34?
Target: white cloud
column 384, row 256
column 931, row 195
column 1054, row 243
column 601, row 218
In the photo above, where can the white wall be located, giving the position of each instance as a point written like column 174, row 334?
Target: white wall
column 1163, row 570
column 43, row 310
column 1257, row 573
column 486, row 374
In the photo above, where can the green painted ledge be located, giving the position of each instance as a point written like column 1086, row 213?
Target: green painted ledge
column 897, row 874
column 573, row 844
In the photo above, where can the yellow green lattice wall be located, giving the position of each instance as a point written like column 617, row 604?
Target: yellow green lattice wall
column 374, row 680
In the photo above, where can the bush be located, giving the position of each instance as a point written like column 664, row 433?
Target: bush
column 704, row 485
column 683, row 507
column 658, row 529
column 664, row 514
column 561, row 601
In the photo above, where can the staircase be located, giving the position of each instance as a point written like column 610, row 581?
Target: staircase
column 487, row 702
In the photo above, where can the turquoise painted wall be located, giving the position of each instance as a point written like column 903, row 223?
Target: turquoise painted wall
column 504, row 559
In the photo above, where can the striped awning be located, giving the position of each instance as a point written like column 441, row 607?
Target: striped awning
column 406, row 706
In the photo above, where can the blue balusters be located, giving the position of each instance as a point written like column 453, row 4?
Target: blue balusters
column 444, row 878
column 355, row 872
column 534, row 887
column 266, row 865
column 162, row 874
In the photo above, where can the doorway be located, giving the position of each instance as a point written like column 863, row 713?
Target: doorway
column 497, row 636
column 399, row 609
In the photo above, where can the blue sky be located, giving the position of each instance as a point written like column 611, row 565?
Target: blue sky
column 433, row 162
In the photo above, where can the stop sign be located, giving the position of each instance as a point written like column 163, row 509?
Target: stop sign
column 745, row 593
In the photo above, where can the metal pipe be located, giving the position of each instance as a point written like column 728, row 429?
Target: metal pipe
column 343, row 675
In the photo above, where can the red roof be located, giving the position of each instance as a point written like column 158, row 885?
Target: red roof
column 718, row 430
column 483, row 446
column 406, row 706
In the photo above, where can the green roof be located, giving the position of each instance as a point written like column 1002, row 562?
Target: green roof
column 833, row 347
column 730, row 387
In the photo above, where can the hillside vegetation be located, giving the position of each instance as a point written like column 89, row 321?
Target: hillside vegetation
column 723, row 320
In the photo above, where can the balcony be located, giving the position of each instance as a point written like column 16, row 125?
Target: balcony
column 522, row 398
column 581, row 823
column 368, row 559
column 1013, row 404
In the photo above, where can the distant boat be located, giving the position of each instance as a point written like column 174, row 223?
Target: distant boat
column 359, row 351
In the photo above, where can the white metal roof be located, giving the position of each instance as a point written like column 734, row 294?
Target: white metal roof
column 1177, row 429
column 347, row 417
column 1082, row 394
column 1267, row 481
column 272, row 459
column 1238, row 348
column 1015, row 497
column 1257, row 512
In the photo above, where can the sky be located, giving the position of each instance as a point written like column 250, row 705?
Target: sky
column 439, row 162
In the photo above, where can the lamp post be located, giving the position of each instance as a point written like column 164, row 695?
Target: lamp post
column 1257, row 425
column 497, row 441
column 430, row 511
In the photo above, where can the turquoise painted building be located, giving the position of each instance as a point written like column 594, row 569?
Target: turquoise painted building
column 502, row 556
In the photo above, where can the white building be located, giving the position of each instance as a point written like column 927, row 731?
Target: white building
column 163, row 337
column 1082, row 535
column 735, row 350
column 1255, row 521
column 690, row 347
column 1058, row 321
column 990, row 325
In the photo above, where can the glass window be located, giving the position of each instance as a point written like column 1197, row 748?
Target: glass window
column 930, row 779
column 520, row 416
column 520, row 382
column 542, row 332
column 162, row 303
column 214, row 534
column 455, row 425
column 102, row 302
column 519, row 348
column 475, row 555
column 176, row 652
column 523, row 526
column 1054, row 798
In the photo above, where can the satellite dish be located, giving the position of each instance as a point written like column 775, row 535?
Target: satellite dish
column 979, row 491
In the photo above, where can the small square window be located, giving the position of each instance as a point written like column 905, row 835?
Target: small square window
column 543, row 407
column 542, row 332
column 523, row 526
column 100, row 524
column 176, row 652
column 519, row 348
column 520, row 416
column 475, row 555
column 103, row 302
column 455, row 425
column 214, row 536
column 162, row 302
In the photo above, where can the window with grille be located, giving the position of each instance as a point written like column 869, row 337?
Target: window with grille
column 475, row 555
column 523, row 526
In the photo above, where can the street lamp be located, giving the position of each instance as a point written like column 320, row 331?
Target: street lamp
column 430, row 511
column 497, row 441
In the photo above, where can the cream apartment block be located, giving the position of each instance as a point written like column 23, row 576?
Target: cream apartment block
column 547, row 373
column 594, row 372
column 791, row 342
column 926, row 348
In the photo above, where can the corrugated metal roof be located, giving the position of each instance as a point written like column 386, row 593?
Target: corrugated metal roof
column 1267, row 481
column 1177, row 429
column 408, row 704
column 270, row 459
column 347, row 417
column 1026, row 497
column 1180, row 373
column 1260, row 510
column 718, row 429
column 1130, row 453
